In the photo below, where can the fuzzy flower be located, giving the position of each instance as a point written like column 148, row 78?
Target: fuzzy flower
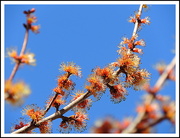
column 137, row 50
column 106, row 74
column 71, row 68
column 152, row 110
column 57, row 102
column 21, row 123
column 129, row 61
column 64, row 82
column 65, row 127
column 31, row 19
column 82, row 106
column 15, row 92
column 96, row 85
column 12, row 53
column 140, row 42
column 59, row 90
column 79, row 121
column 104, row 126
column 145, row 20
column 138, row 78
column 28, row 58
column 34, row 112
column 45, row 127
column 118, row 93
column 169, row 110
column 35, row 28
column 127, row 41
column 132, row 19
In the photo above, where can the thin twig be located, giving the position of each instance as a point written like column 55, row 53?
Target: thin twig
column 137, row 24
column 55, row 96
column 16, row 67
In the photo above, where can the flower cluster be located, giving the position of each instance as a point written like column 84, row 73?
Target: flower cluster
column 45, row 127
column 27, row 58
column 96, row 85
column 106, row 74
column 15, row 92
column 110, row 125
column 71, row 68
column 64, row 84
column 76, row 121
column 34, row 112
column 82, row 106
column 21, row 123
column 56, row 102
column 159, row 109
column 118, row 93
column 30, row 18
column 136, row 18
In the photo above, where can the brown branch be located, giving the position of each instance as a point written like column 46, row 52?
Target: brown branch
column 155, row 122
column 55, row 96
column 159, row 83
column 16, row 67
column 54, row 116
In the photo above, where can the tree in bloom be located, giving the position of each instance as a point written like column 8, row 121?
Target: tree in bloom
column 115, row 79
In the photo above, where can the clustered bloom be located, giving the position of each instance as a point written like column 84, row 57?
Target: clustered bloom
column 131, row 43
column 59, row 91
column 110, row 125
column 27, row 58
column 96, row 85
column 106, row 74
column 34, row 112
column 118, row 93
column 135, row 18
column 71, row 68
column 15, row 92
column 30, row 18
column 152, row 110
column 76, row 121
column 82, row 106
column 21, row 123
column 45, row 127
column 137, row 79
column 65, row 83
column 57, row 102
column 169, row 110
column 128, row 61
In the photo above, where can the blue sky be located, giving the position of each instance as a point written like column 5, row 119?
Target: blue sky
column 88, row 35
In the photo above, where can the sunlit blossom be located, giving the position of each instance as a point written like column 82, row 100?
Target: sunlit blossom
column 35, row 28
column 16, row 92
column 34, row 112
column 71, row 68
column 82, row 106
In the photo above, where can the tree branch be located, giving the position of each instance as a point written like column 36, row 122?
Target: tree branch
column 16, row 67
column 159, row 83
